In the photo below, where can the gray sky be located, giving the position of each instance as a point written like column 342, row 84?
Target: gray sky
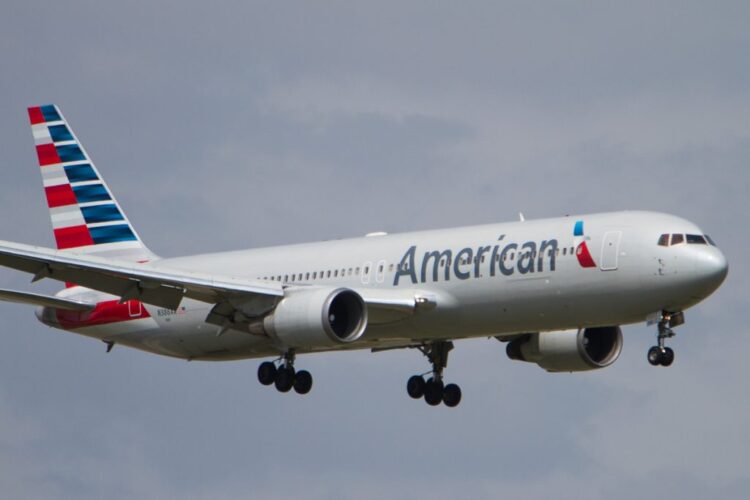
column 225, row 125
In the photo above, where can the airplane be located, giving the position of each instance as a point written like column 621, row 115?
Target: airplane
column 556, row 291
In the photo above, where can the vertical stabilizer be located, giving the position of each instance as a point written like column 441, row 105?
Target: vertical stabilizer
column 86, row 218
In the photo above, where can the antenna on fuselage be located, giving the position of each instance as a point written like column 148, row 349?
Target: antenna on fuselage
column 521, row 217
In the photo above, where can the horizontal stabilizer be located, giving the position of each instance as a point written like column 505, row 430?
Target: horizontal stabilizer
column 36, row 299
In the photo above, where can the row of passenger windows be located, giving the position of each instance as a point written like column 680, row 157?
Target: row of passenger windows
column 667, row 240
column 354, row 271
column 288, row 278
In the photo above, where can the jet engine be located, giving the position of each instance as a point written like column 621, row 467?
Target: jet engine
column 318, row 317
column 569, row 350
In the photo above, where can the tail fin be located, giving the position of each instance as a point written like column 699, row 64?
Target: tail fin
column 86, row 218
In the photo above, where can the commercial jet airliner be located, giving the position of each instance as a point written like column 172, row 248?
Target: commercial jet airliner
column 556, row 291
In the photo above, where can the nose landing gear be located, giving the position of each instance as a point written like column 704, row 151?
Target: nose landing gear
column 284, row 377
column 660, row 354
column 434, row 390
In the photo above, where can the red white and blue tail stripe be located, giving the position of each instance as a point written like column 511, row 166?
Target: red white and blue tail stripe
column 85, row 216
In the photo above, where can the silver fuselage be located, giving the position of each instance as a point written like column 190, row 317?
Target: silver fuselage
column 489, row 280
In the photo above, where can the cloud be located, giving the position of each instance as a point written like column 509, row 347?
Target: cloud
column 235, row 124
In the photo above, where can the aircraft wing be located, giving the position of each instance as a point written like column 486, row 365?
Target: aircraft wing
column 144, row 282
column 166, row 288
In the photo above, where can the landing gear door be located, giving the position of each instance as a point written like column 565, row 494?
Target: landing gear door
column 610, row 250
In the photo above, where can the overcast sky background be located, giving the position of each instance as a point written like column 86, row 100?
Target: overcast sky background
column 227, row 125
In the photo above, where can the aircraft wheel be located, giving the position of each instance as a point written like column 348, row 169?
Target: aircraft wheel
column 415, row 386
column 433, row 392
column 451, row 395
column 654, row 356
column 284, row 379
column 303, row 382
column 667, row 357
column 267, row 373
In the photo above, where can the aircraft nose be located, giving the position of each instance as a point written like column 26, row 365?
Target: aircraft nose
column 711, row 268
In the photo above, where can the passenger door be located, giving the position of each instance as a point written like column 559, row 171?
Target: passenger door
column 610, row 250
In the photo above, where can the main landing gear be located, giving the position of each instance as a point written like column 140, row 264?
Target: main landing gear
column 433, row 389
column 660, row 354
column 284, row 377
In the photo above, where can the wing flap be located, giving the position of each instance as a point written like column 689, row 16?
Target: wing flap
column 157, row 286
column 36, row 299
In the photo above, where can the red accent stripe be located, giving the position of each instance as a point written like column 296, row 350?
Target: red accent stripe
column 584, row 257
column 105, row 313
column 47, row 154
column 60, row 196
column 72, row 237
column 35, row 115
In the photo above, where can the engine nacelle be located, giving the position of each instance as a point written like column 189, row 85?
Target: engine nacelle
column 318, row 317
column 569, row 350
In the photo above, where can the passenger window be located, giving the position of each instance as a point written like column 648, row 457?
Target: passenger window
column 286, row 278
column 664, row 240
column 315, row 275
column 307, row 276
column 328, row 274
column 335, row 273
column 677, row 239
column 696, row 239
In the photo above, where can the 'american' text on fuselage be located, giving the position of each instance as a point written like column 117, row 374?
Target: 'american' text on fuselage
column 468, row 262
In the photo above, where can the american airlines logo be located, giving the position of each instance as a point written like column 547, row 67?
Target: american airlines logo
column 522, row 258
column 468, row 262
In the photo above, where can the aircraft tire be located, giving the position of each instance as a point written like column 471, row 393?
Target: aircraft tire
column 415, row 386
column 667, row 357
column 303, row 382
column 284, row 379
column 433, row 392
column 267, row 373
column 451, row 395
column 654, row 356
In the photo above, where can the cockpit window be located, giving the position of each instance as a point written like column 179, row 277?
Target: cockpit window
column 666, row 240
column 696, row 239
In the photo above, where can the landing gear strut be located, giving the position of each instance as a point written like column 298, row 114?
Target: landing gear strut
column 660, row 354
column 434, row 390
column 284, row 377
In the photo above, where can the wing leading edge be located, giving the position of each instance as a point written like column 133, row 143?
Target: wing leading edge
column 144, row 282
